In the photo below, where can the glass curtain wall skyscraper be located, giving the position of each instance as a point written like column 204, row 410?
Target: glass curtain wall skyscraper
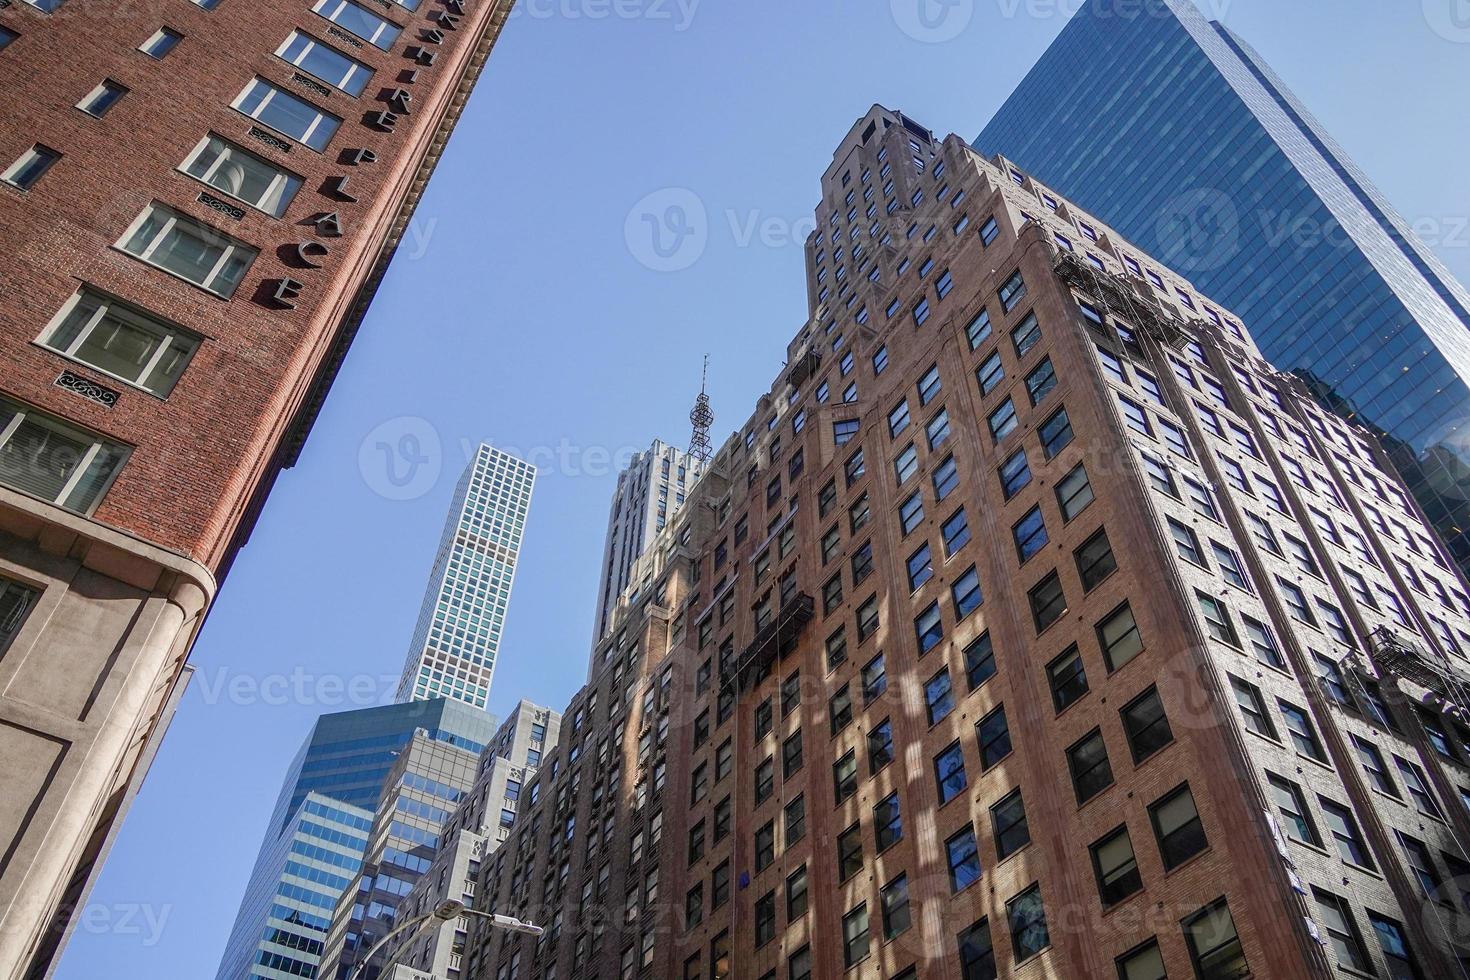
column 318, row 831
column 458, row 634
column 1174, row 130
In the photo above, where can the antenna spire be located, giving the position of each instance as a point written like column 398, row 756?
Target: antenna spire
column 701, row 418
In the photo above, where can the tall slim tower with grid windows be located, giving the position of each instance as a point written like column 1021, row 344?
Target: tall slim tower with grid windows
column 463, row 615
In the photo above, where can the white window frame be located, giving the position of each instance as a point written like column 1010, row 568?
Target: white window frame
column 23, row 412
column 170, row 334
column 282, row 175
column 274, row 90
column 157, row 36
column 320, row 7
column 106, row 84
column 356, row 70
column 36, row 151
column 146, row 256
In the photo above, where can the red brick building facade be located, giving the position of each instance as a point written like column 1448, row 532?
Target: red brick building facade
column 197, row 202
column 1032, row 626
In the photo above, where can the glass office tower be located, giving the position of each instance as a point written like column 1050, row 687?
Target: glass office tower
column 314, row 843
column 458, row 634
column 1173, row 130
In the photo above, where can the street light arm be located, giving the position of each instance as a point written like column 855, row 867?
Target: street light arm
column 444, row 912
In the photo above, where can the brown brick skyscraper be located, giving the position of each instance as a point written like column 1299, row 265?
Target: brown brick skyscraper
column 197, row 202
column 1033, row 626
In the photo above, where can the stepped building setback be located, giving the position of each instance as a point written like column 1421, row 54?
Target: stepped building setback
column 1034, row 625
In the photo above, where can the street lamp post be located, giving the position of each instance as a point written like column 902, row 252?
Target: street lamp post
column 443, row 912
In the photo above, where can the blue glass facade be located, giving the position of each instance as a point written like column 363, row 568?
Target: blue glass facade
column 1173, row 130
column 318, row 831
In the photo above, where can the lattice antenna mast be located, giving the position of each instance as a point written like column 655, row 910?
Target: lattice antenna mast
column 702, row 417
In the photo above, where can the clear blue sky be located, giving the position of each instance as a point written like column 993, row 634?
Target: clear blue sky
column 517, row 313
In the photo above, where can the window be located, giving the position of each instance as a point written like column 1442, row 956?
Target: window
column 1118, row 634
column 1095, row 561
column 1087, row 760
column 1012, row 292
column 720, row 885
column 964, row 859
column 956, row 532
column 102, row 98
column 1422, row 865
column 929, row 386
column 161, row 43
column 875, row 679
column 921, row 312
column 1186, row 543
column 243, row 176
column 1342, row 932
column 1055, row 433
column 1116, row 867
column 850, row 852
column 1143, row 963
column 1012, row 832
column 1214, row 945
column 799, row 966
column 949, row 773
column 6, row 36
column 898, row 419
column 1303, row 735
column 939, row 697
column 1135, row 417
column 1370, row 757
column 994, row 736
column 845, row 776
column 324, row 62
column 839, row 709
column 880, row 359
column 791, row 755
column 929, row 628
column 1027, row 919
column 360, row 21
column 765, row 846
column 990, row 373
column 1395, row 946
column 857, row 514
column 855, row 935
column 121, row 341
column 50, row 459
column 920, row 567
column 911, row 512
column 1344, row 829
column 1418, row 787
column 937, row 431
column 765, row 919
column 1252, row 707
column 1003, row 421
column 1230, row 565
column 794, row 814
column 977, row 957
column 862, row 563
column 1263, row 643
column 796, row 894
column 965, row 593
column 33, row 163
column 1177, row 827
column 1074, row 492
column 1292, row 807
column 979, row 660
column 1067, row 677
column 880, row 745
column 989, row 231
column 854, row 470
column 1029, row 534
column 1026, row 335
column 887, row 822
column 285, row 113
column 979, row 329
column 1217, row 619
column 946, row 478
column 1048, row 601
column 1015, row 474
column 895, row 903
column 906, row 465
column 1041, row 382
column 1146, row 725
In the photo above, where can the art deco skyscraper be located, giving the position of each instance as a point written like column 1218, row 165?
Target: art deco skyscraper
column 1032, row 625
column 457, row 638
column 650, row 491
column 199, row 202
column 1173, row 129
